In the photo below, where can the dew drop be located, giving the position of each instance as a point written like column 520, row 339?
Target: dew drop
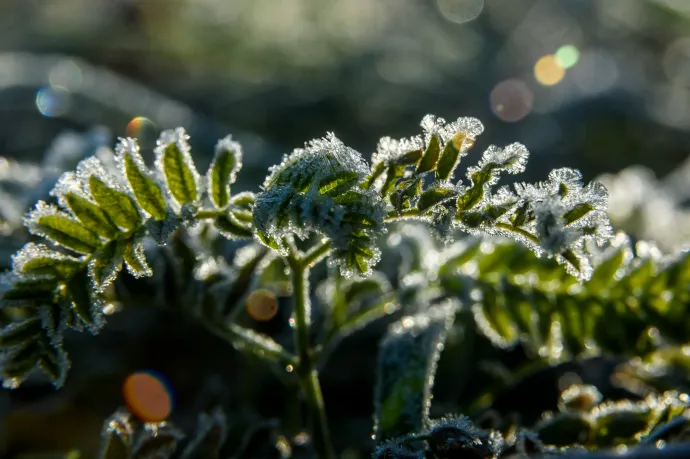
column 289, row 368
column 291, row 322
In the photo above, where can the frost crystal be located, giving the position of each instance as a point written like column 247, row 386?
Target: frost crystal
column 179, row 138
column 32, row 251
column 470, row 127
column 407, row 358
column 388, row 148
column 319, row 159
column 551, row 230
column 78, row 182
column 227, row 144
column 314, row 190
column 511, row 159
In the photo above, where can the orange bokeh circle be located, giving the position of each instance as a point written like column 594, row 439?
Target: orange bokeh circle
column 262, row 305
column 147, row 397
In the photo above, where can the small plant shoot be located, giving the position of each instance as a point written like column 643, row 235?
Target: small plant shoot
column 430, row 247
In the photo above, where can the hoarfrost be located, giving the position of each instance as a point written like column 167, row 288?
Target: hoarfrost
column 179, row 138
column 34, row 250
column 389, row 149
column 470, row 127
column 227, row 144
column 321, row 158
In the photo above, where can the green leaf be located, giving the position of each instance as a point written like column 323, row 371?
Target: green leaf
column 55, row 364
column 268, row 241
column 449, row 157
column 435, row 196
column 470, row 198
column 221, row 175
column 178, row 175
column 405, row 192
column 493, row 319
column 146, row 191
column 39, row 288
column 258, row 344
column 376, row 172
column 244, row 200
column 231, row 228
column 604, row 274
column 337, row 184
column 106, row 263
column 91, row 216
column 407, row 364
column 358, row 256
column 133, row 255
column 393, row 173
column 410, row 158
column 60, row 267
column 430, row 158
column 68, row 233
column 120, row 208
column 577, row 212
column 21, row 360
column 519, row 217
column 20, row 332
column 79, row 293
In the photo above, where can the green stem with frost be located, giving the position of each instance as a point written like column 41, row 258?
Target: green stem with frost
column 306, row 365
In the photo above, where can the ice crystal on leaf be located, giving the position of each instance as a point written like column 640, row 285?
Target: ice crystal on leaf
column 98, row 226
column 390, row 149
column 470, row 128
column 315, row 190
column 176, row 167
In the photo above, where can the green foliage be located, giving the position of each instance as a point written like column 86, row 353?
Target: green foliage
column 324, row 201
column 517, row 297
column 407, row 364
column 99, row 223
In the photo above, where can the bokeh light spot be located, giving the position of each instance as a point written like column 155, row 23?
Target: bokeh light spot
column 262, row 305
column 53, row 101
column 140, row 126
column 548, row 70
column 66, row 74
column 148, row 396
column 567, row 56
column 460, row 11
column 511, row 100
column 142, row 129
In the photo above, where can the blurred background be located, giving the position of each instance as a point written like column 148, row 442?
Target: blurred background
column 602, row 86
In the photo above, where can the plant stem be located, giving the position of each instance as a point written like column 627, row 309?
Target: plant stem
column 209, row 213
column 306, row 367
column 316, row 254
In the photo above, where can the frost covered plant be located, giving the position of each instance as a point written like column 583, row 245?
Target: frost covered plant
column 322, row 201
